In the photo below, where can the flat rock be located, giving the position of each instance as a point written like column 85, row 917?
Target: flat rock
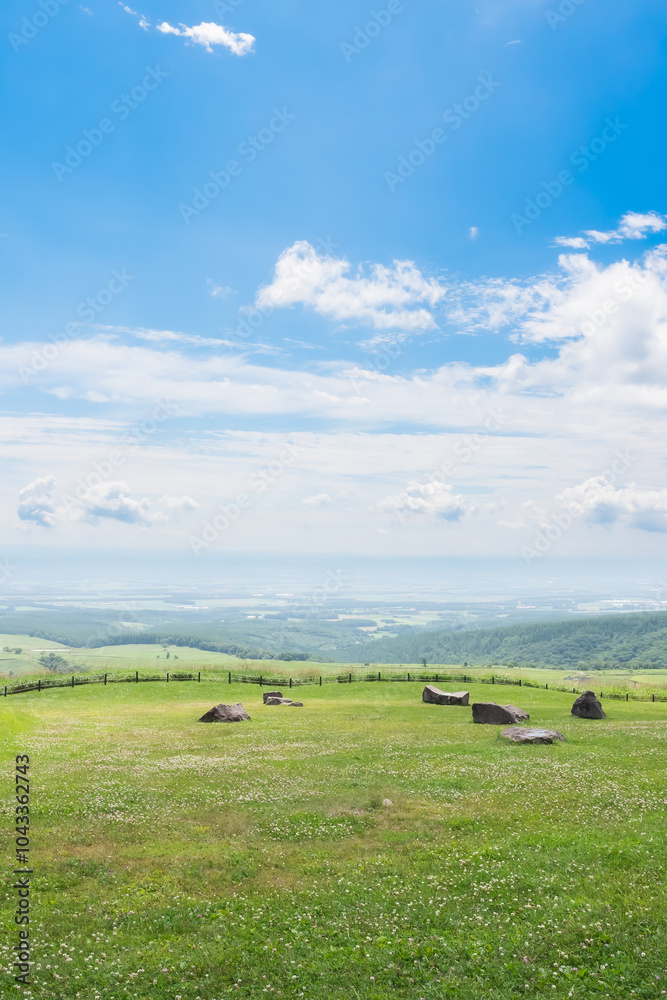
column 490, row 714
column 518, row 713
column 522, row 735
column 278, row 701
column 296, row 704
column 434, row 696
column 226, row 713
column 271, row 694
column 587, row 706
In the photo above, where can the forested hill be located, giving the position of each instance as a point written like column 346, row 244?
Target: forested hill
column 633, row 640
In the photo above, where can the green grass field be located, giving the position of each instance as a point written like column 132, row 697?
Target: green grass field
column 178, row 861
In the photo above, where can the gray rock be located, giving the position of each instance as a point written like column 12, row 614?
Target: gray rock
column 434, row 696
column 522, row 735
column 271, row 694
column 296, row 704
column 518, row 713
column 226, row 713
column 587, row 706
column 278, row 701
column 490, row 714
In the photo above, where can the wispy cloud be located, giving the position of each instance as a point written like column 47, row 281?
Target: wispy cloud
column 632, row 226
column 210, row 34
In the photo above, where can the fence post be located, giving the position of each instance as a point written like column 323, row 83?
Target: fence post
column 493, row 679
column 230, row 677
column 436, row 677
column 137, row 677
column 5, row 690
column 546, row 687
column 72, row 680
column 653, row 698
column 167, row 677
column 105, row 680
column 290, row 682
column 39, row 685
column 260, row 680
column 408, row 675
column 199, row 678
column 519, row 682
column 378, row 675
column 626, row 696
column 350, row 678
column 320, row 680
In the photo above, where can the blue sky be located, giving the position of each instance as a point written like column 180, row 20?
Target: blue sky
column 409, row 195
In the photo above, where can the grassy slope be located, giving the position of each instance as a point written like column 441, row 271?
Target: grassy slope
column 181, row 860
column 638, row 639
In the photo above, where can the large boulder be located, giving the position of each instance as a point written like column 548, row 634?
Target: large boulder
column 271, row 694
column 490, row 714
column 521, row 735
column 588, row 707
column 226, row 713
column 434, row 696
column 518, row 713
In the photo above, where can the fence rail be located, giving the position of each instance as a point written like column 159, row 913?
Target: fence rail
column 232, row 677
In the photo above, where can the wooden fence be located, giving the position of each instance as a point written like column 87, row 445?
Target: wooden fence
column 232, row 677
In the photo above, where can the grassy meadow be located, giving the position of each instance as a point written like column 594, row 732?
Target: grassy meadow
column 179, row 861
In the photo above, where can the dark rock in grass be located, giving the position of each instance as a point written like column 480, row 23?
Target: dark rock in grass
column 296, row 704
column 518, row 713
column 271, row 694
column 278, row 701
column 521, row 735
column 434, row 696
column 226, row 713
column 588, row 707
column 490, row 714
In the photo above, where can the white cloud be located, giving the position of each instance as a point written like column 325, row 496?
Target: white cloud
column 632, row 226
column 319, row 500
column 575, row 242
column 598, row 501
column 173, row 336
column 143, row 22
column 36, row 502
column 434, row 499
column 218, row 291
column 209, row 34
column 388, row 298
column 473, row 232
